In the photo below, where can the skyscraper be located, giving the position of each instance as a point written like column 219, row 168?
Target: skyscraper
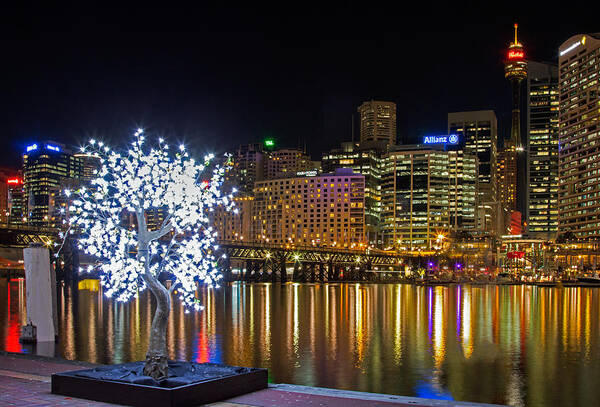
column 46, row 166
column 378, row 122
column 478, row 135
column 579, row 136
column 542, row 150
column 365, row 161
column 415, row 190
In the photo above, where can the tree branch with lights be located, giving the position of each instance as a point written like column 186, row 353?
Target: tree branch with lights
column 183, row 247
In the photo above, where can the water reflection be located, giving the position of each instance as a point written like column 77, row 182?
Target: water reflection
column 519, row 345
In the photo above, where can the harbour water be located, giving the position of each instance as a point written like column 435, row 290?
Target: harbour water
column 519, row 345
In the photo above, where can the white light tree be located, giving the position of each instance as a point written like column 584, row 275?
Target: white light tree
column 131, row 257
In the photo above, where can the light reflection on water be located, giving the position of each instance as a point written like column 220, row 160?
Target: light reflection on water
column 519, row 345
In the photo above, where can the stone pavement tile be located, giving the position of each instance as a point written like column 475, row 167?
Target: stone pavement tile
column 278, row 398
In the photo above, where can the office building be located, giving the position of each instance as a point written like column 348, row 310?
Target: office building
column 506, row 176
column 542, row 150
column 415, row 190
column 378, row 122
column 323, row 210
column 462, row 199
column 478, row 135
column 248, row 167
column 46, row 166
column 365, row 161
column 579, row 136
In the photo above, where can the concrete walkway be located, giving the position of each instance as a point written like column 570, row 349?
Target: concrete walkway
column 25, row 381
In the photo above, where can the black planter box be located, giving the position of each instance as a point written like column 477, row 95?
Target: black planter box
column 208, row 389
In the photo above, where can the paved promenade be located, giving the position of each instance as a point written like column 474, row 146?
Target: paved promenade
column 25, row 381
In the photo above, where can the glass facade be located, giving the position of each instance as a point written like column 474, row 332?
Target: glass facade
column 579, row 136
column 542, row 149
column 415, row 187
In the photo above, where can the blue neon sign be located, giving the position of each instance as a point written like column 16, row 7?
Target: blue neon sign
column 450, row 139
column 53, row 148
column 32, row 147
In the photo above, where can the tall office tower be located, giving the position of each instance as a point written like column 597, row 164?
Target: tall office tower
column 506, row 177
column 579, row 136
column 16, row 214
column 367, row 162
column 462, row 199
column 542, row 150
column 324, row 210
column 414, row 190
column 478, row 135
column 378, row 122
column 90, row 164
column 45, row 167
column 285, row 163
column 248, row 167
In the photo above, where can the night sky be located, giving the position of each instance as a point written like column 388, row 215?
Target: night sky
column 218, row 78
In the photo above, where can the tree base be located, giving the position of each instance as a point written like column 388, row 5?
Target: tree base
column 156, row 367
column 190, row 384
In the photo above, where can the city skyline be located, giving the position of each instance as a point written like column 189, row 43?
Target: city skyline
column 222, row 89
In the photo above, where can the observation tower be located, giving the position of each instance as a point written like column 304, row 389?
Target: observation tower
column 515, row 70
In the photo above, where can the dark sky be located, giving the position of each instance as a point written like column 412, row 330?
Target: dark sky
column 219, row 78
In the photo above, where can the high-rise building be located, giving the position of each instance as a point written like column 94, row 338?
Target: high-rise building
column 506, row 176
column 378, row 122
column 285, row 163
column 248, row 167
column 579, row 136
column 46, row 166
column 462, row 199
column 478, row 135
column 323, row 210
column 542, row 150
column 16, row 213
column 365, row 161
column 415, row 191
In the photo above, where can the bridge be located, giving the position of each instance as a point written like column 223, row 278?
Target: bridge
column 256, row 261
column 268, row 262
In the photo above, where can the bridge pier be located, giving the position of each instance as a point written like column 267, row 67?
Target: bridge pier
column 283, row 270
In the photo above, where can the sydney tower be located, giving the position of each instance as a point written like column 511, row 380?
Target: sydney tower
column 515, row 69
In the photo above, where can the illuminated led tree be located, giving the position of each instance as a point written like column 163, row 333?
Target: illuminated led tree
column 131, row 258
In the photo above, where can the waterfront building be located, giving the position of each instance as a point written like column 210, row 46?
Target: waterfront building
column 322, row 210
column 542, row 150
column 365, row 160
column 45, row 166
column 15, row 201
column 5, row 175
column 378, row 122
column 415, row 190
column 462, row 192
column 235, row 225
column 286, row 162
column 478, row 136
column 579, row 136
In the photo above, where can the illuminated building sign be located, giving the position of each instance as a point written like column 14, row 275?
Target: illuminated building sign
column 270, row 143
column 311, row 173
column 451, row 139
column 13, row 181
column 516, row 54
column 53, row 148
column 573, row 46
column 32, row 147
